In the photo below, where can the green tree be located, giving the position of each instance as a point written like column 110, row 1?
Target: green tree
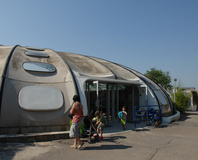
column 159, row 77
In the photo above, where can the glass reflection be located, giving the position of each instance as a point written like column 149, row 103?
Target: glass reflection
column 161, row 97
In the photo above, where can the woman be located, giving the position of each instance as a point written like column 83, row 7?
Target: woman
column 77, row 121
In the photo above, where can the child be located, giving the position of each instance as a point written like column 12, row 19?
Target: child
column 100, row 123
column 123, row 119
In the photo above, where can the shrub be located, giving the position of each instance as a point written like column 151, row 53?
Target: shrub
column 181, row 101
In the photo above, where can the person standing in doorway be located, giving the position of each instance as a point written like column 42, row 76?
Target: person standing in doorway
column 123, row 115
column 77, row 121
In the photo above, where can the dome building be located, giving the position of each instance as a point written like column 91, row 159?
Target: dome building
column 37, row 86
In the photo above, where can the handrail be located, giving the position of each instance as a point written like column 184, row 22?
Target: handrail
column 147, row 111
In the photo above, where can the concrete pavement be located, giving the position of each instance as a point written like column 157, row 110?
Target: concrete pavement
column 176, row 141
column 111, row 128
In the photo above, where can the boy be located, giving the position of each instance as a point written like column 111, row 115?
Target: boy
column 123, row 119
column 100, row 123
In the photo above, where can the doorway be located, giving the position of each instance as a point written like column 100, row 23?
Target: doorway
column 109, row 98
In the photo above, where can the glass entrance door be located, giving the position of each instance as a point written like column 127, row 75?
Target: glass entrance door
column 109, row 98
column 102, row 97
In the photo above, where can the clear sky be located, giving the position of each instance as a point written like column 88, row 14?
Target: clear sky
column 140, row 34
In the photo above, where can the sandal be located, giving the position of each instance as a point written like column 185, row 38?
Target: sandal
column 80, row 146
column 73, row 147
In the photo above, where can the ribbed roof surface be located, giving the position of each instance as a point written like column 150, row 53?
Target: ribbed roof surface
column 96, row 67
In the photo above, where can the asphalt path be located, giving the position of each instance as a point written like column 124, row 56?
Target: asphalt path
column 175, row 141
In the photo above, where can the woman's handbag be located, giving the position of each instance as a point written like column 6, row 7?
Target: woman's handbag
column 70, row 115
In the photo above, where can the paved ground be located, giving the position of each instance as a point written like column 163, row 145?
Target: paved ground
column 176, row 141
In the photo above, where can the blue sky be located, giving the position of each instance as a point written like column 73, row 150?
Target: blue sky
column 140, row 34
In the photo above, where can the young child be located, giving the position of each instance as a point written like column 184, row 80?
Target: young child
column 123, row 119
column 100, row 123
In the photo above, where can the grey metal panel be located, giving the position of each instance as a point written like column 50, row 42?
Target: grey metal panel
column 24, row 118
column 85, row 66
column 4, row 53
column 120, row 72
column 15, row 69
column 17, row 78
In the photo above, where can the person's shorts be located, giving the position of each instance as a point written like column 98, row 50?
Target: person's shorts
column 75, row 129
column 123, row 121
column 101, row 126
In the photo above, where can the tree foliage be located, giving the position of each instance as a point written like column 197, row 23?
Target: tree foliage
column 159, row 77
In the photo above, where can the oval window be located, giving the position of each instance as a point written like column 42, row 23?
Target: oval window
column 37, row 54
column 40, row 98
column 39, row 67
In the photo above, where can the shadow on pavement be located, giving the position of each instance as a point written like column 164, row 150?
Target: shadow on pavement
column 184, row 117
column 107, row 147
column 8, row 150
column 113, row 139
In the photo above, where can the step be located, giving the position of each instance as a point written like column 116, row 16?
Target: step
column 34, row 137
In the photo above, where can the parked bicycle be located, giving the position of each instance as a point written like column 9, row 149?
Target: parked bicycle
column 154, row 119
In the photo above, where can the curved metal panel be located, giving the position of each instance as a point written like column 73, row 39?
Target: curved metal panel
column 4, row 54
column 120, row 72
column 29, row 118
column 15, row 70
column 85, row 66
